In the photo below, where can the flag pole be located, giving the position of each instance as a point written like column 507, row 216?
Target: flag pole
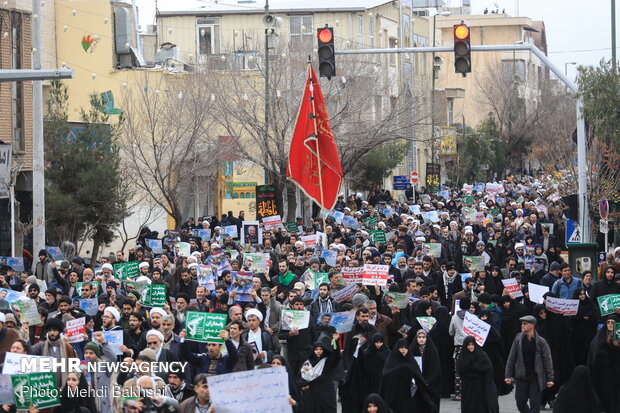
column 318, row 154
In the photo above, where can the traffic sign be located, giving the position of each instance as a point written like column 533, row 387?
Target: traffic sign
column 573, row 232
column 603, row 226
column 401, row 183
column 603, row 209
column 415, row 177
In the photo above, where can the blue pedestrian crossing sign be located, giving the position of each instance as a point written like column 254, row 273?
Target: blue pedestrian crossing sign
column 574, row 232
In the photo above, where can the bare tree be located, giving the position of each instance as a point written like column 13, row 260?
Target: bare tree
column 363, row 113
column 168, row 136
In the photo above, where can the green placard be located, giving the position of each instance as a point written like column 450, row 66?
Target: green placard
column 377, row 236
column 154, row 296
column 473, row 263
column 616, row 331
column 126, row 270
column 291, row 227
column 467, row 199
column 78, row 287
column 320, row 278
column 204, row 327
column 371, row 222
column 607, row 304
column 38, row 389
column 495, row 212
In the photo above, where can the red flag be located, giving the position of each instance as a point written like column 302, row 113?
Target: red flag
column 313, row 161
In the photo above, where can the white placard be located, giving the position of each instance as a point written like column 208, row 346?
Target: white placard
column 473, row 326
column 562, row 306
column 537, row 292
column 12, row 363
column 309, row 241
column 75, row 329
column 375, row 274
column 273, row 222
column 114, row 339
column 512, row 286
column 256, row 391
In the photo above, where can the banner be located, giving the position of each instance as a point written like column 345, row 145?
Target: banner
column 29, row 312
column 47, row 393
column 430, row 216
column 242, row 286
column 342, row 322
column 371, row 222
column 350, row 222
column 473, row 263
column 267, row 204
column 75, row 329
column 11, row 296
column 256, row 261
column 343, row 294
column 562, row 306
column 330, row 257
column 292, row 227
column 427, row 322
column 114, row 339
column 154, row 295
column 251, row 233
column 155, row 245
column 398, row 300
column 182, row 249
column 432, row 249
column 473, row 326
column 537, row 292
column 375, row 274
column 294, row 320
column 512, row 287
column 89, row 305
column 204, row 327
column 273, row 222
column 13, row 361
column 352, row 275
column 310, row 241
column 55, row 253
column 256, row 391
column 126, row 270
column 230, row 230
column 377, row 237
column 206, row 277
column 607, row 304
column 433, row 180
column 17, row 263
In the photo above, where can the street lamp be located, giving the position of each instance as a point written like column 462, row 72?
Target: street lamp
column 566, row 67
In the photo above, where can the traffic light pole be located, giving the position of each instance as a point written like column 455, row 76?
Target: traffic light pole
column 581, row 126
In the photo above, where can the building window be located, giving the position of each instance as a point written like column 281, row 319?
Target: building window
column 360, row 31
column 371, row 31
column 208, row 35
column 17, row 88
column 393, row 44
column 515, row 67
column 450, row 106
column 301, row 32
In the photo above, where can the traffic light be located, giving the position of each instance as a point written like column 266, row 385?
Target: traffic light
column 462, row 49
column 327, row 57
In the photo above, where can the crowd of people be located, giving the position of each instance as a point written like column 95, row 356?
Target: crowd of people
column 447, row 255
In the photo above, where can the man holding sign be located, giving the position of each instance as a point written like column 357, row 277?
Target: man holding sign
column 530, row 366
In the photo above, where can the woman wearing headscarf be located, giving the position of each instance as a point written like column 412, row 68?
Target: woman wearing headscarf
column 440, row 334
column 583, row 327
column 353, row 389
column 424, row 347
column 607, row 375
column 402, row 385
column 603, row 336
column 69, row 403
column 375, row 404
column 478, row 392
column 293, row 389
column 510, row 325
column 317, row 377
column 375, row 355
column 494, row 348
column 577, row 395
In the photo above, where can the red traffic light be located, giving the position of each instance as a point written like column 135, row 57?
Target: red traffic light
column 461, row 31
column 325, row 36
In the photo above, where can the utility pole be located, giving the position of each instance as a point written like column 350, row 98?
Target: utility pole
column 266, row 76
column 38, row 182
column 613, row 35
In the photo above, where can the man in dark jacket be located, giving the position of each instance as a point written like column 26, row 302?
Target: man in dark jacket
column 361, row 332
column 260, row 339
column 213, row 362
column 322, row 304
column 607, row 285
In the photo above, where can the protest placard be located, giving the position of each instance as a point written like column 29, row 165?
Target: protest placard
column 251, row 233
column 154, row 295
column 352, row 275
column 350, row 222
column 537, row 292
column 344, row 294
column 377, row 236
column 426, row 322
column 138, row 286
column 607, row 304
column 371, row 222
column 616, row 331
column 310, row 241
column 55, row 253
column 182, row 249
column 473, row 263
column 126, row 270
column 432, row 249
column 430, row 216
column 398, row 300
column 11, row 296
column 204, row 234
column 89, row 305
column 330, row 257
column 342, row 321
column 206, row 277
column 29, row 313
column 468, row 199
column 256, row 261
column 294, row 320
column 273, row 222
column 47, row 394
column 12, row 364
column 17, row 263
column 338, row 217
column 242, row 287
column 469, row 213
column 256, row 391
column 562, row 306
column 512, row 287
column 204, row 327
column 292, row 227
column 312, row 280
column 230, row 230
column 375, row 274
column 473, row 326
column 94, row 285
column 6, row 390
column 155, row 245
column 114, row 339
column 415, row 209
column 75, row 329
column 404, row 329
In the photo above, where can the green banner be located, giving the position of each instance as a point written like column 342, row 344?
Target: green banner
column 154, row 296
column 467, row 199
column 377, row 236
column 371, row 222
column 320, row 278
column 37, row 389
column 616, row 331
column 495, row 212
column 94, row 284
column 607, row 304
column 126, row 270
column 205, row 327
column 291, row 227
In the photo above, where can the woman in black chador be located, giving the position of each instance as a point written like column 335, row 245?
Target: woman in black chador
column 478, row 392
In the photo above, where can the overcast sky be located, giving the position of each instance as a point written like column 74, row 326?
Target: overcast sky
column 577, row 31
